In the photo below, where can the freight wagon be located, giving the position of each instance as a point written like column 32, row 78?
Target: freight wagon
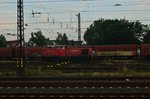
column 145, row 50
column 116, row 51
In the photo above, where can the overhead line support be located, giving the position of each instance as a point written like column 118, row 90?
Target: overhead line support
column 20, row 37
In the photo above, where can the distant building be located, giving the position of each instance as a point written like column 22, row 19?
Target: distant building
column 74, row 43
column 70, row 42
column 12, row 43
column 50, row 42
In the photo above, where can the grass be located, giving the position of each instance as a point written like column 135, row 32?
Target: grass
column 117, row 74
column 6, row 73
column 41, row 72
column 57, row 73
column 34, row 72
column 126, row 70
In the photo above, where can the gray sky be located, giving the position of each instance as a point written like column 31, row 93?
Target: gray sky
column 60, row 15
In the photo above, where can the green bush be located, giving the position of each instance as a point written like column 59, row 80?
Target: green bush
column 7, row 73
column 41, row 72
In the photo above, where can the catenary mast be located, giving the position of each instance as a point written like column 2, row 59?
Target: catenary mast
column 20, row 37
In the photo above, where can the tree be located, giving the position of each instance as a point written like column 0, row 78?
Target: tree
column 147, row 38
column 37, row 39
column 62, row 39
column 109, row 32
column 3, row 42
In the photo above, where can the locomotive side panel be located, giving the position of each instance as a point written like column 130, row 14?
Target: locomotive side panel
column 53, row 52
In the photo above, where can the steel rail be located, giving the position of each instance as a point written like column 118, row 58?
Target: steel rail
column 97, row 78
column 75, row 84
column 74, row 95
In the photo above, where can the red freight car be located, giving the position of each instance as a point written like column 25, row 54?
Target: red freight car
column 32, row 52
column 145, row 50
column 5, row 52
column 116, row 50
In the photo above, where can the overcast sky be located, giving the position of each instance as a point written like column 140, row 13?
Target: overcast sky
column 60, row 15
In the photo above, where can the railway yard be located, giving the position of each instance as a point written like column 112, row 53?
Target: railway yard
column 109, row 59
column 103, row 79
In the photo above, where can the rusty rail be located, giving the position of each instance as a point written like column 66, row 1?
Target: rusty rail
column 73, row 95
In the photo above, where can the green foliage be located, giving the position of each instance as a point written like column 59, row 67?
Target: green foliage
column 109, row 32
column 147, row 38
column 62, row 39
column 128, row 72
column 37, row 39
column 6, row 73
column 39, row 71
column 3, row 42
column 32, row 72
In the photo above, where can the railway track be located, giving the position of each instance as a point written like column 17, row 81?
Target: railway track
column 78, row 84
column 70, row 69
column 74, row 95
column 74, row 88
column 70, row 78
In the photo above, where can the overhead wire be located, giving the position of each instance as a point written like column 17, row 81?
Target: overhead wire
column 37, row 1
column 60, row 10
column 46, row 1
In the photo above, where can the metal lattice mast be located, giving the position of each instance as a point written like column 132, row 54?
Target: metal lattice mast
column 20, row 34
column 79, row 28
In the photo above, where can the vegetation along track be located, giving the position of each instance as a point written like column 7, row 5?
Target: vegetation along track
column 67, row 67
